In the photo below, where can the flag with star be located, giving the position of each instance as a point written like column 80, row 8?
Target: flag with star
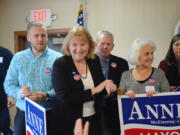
column 80, row 21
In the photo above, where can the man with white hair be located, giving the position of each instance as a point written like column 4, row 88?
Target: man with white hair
column 112, row 67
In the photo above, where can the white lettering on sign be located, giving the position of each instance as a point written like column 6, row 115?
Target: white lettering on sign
column 161, row 111
column 149, row 109
column 35, row 121
column 136, row 110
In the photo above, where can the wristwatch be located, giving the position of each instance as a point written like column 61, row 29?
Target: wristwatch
column 47, row 97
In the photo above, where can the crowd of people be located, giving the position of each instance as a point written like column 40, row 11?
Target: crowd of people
column 79, row 89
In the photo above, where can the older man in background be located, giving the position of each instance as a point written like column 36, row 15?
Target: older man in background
column 112, row 67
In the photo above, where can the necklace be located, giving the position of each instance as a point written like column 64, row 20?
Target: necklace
column 84, row 77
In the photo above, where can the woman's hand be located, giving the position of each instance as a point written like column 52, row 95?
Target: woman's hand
column 99, row 88
column 110, row 87
column 172, row 88
column 108, row 84
column 151, row 93
column 78, row 129
column 130, row 93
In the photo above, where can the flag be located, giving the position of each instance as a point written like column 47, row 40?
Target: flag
column 80, row 21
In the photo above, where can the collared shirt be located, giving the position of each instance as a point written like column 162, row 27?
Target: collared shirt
column 26, row 69
column 105, row 66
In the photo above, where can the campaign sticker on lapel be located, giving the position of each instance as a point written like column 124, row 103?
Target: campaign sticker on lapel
column 149, row 88
column 47, row 70
column 1, row 59
column 73, row 73
column 151, row 81
column 113, row 65
column 76, row 77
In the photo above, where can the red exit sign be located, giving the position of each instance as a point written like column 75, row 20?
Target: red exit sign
column 41, row 15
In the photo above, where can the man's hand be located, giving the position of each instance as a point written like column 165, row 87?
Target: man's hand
column 25, row 91
column 11, row 102
column 110, row 87
column 38, row 96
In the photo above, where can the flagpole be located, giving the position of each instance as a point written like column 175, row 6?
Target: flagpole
column 82, row 4
column 80, row 21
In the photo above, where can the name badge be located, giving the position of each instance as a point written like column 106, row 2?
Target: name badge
column 149, row 88
column 1, row 59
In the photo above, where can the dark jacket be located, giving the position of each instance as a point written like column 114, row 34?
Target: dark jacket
column 171, row 73
column 70, row 94
column 5, row 59
column 117, row 66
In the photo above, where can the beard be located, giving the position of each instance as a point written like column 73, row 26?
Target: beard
column 38, row 50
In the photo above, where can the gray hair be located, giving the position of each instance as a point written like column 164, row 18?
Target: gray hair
column 134, row 53
column 38, row 24
column 104, row 33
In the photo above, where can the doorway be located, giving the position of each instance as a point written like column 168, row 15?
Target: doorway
column 55, row 39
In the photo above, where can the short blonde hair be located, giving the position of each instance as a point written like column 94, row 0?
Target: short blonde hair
column 78, row 31
column 134, row 53
column 37, row 24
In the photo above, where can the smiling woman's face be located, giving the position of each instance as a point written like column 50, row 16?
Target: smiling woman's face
column 146, row 56
column 79, row 48
column 176, row 49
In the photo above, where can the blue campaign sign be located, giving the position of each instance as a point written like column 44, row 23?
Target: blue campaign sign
column 159, row 115
column 35, row 118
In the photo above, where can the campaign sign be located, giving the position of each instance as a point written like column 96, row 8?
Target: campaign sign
column 159, row 115
column 35, row 118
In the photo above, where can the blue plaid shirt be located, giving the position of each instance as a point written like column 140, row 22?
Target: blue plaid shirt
column 27, row 69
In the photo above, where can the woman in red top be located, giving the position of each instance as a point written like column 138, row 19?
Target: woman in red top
column 171, row 64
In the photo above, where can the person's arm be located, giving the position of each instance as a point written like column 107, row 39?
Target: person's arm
column 162, row 66
column 123, row 84
column 11, row 83
column 164, row 84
